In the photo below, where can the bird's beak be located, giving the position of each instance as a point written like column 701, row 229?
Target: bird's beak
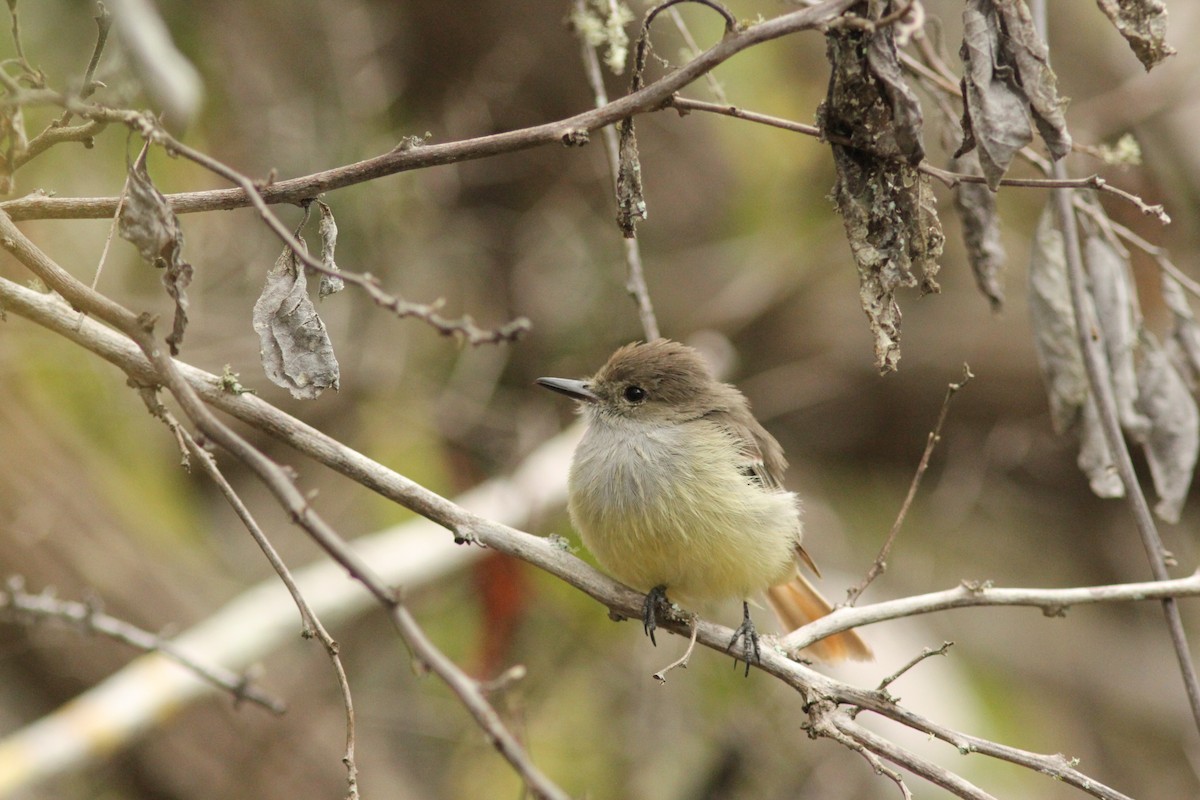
column 577, row 390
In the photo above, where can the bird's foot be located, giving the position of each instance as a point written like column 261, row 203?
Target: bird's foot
column 656, row 602
column 749, row 636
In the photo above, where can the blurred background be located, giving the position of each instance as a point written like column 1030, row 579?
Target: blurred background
column 745, row 257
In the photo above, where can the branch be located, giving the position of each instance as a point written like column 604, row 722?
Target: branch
column 1053, row 602
column 950, row 179
column 880, row 564
column 277, row 479
column 20, row 606
column 403, row 159
column 509, row 500
column 312, row 626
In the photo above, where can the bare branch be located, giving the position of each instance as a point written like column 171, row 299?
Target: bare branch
column 545, row 554
column 19, row 605
column 948, row 178
column 401, row 159
column 312, row 626
column 1052, row 602
column 880, row 564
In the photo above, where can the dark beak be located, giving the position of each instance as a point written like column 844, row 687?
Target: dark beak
column 576, row 390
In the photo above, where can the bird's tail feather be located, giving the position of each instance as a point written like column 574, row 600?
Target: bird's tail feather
column 797, row 603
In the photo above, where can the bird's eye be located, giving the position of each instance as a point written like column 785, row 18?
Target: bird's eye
column 635, row 394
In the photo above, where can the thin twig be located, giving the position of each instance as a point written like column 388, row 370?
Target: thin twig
column 278, row 480
column 311, row 624
column 56, row 315
column 1094, row 361
column 950, row 179
column 682, row 661
column 469, row 692
column 1052, row 602
column 651, row 98
column 928, row 652
column 636, row 280
column 880, row 564
column 821, row 724
column 935, row 774
column 21, row 606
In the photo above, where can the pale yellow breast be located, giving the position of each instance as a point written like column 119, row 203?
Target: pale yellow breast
column 667, row 506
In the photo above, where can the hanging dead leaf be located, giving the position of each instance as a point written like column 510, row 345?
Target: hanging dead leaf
column 1055, row 341
column 1174, row 441
column 1120, row 321
column 1183, row 347
column 1143, row 23
column 1030, row 56
column 976, row 207
column 631, row 202
column 887, row 205
column 1007, row 81
column 330, row 284
column 295, row 349
column 148, row 222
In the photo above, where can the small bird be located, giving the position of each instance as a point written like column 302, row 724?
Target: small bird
column 676, row 487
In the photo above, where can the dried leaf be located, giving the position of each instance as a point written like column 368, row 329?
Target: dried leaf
column 1053, row 321
column 905, row 110
column 1031, row 58
column 976, row 207
column 330, row 284
column 887, row 206
column 1184, row 345
column 295, row 349
column 995, row 118
column 1007, row 81
column 631, row 202
column 1174, row 440
column 1120, row 321
column 149, row 223
column 1055, row 339
column 1095, row 458
column 1143, row 23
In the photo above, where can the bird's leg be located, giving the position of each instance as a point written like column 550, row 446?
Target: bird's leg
column 655, row 598
column 749, row 636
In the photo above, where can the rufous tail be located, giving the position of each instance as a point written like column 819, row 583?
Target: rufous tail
column 797, row 603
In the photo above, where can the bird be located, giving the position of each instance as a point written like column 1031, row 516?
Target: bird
column 676, row 488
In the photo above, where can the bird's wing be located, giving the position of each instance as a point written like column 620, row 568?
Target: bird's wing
column 762, row 456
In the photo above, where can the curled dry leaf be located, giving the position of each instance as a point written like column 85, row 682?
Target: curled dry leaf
column 887, row 206
column 976, row 207
column 1007, row 81
column 631, row 202
column 149, row 223
column 330, row 284
column 1120, row 321
column 1143, row 23
column 295, row 349
column 1174, row 440
column 1060, row 359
